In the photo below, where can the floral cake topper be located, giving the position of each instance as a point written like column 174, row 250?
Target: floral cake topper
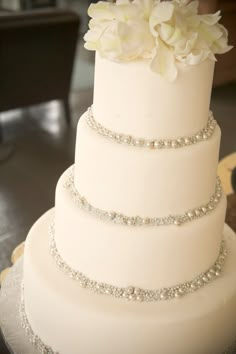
column 166, row 32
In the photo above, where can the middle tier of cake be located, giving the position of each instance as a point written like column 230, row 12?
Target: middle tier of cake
column 143, row 256
column 140, row 181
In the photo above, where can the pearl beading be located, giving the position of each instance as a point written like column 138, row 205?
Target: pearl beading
column 203, row 134
column 119, row 218
column 42, row 348
column 32, row 337
column 134, row 293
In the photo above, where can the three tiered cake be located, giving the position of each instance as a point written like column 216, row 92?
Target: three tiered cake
column 135, row 258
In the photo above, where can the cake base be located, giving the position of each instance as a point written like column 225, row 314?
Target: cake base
column 10, row 323
column 73, row 320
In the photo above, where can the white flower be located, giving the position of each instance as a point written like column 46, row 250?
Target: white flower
column 119, row 31
column 220, row 46
column 123, row 41
column 167, row 32
column 184, row 35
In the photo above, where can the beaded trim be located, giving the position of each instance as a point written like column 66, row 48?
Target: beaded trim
column 122, row 219
column 45, row 349
column 203, row 134
column 133, row 293
column 32, row 337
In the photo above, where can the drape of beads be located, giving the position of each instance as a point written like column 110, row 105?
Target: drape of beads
column 119, row 218
column 121, row 138
column 134, row 293
column 45, row 349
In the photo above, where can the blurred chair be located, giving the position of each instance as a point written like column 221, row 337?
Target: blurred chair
column 17, row 5
column 37, row 50
column 37, row 4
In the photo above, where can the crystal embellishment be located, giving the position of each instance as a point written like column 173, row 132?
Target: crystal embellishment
column 133, row 293
column 138, row 221
column 158, row 144
column 45, row 349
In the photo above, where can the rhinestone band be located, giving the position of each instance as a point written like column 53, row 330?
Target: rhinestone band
column 203, row 134
column 45, row 349
column 122, row 219
column 134, row 293
column 32, row 337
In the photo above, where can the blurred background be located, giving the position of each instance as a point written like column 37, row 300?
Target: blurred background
column 46, row 83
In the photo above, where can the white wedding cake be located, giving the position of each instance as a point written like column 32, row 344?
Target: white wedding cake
column 135, row 257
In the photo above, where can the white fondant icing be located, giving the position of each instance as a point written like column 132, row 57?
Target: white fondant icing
column 130, row 98
column 137, row 181
column 147, row 257
column 73, row 320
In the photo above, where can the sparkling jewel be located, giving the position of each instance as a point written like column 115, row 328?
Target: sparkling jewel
column 139, row 298
column 158, row 144
column 163, row 296
column 205, row 134
column 167, row 143
column 130, row 290
column 193, row 286
column 133, row 293
column 177, row 222
column 137, row 142
column 174, row 144
column 119, row 218
column 209, row 274
column 42, row 348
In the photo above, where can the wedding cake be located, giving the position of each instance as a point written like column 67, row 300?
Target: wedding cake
column 135, row 257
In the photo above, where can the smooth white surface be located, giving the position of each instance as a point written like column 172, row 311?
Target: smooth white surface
column 74, row 320
column 149, row 256
column 139, row 181
column 131, row 99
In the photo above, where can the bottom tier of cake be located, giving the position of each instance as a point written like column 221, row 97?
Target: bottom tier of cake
column 73, row 320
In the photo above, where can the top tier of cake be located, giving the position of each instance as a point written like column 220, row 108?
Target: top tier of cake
column 129, row 98
column 154, row 65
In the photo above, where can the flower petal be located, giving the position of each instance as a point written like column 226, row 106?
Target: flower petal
column 195, row 57
column 135, row 40
column 101, row 11
column 185, row 46
column 210, row 19
column 164, row 62
column 162, row 12
column 169, row 34
column 192, row 8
